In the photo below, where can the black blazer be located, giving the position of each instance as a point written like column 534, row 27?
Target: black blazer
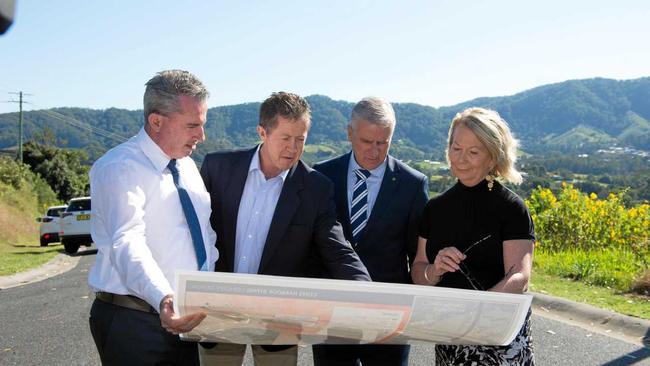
column 303, row 228
column 390, row 238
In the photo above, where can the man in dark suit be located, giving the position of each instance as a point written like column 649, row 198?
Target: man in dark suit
column 379, row 201
column 274, row 215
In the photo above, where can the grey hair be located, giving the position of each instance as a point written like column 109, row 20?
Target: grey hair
column 375, row 111
column 494, row 133
column 163, row 90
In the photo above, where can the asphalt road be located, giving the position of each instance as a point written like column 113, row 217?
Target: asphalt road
column 46, row 323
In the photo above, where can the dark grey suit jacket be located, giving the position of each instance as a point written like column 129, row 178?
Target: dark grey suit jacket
column 389, row 242
column 303, row 229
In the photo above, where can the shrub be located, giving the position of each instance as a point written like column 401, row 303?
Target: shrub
column 585, row 238
column 18, row 185
column 642, row 284
column 574, row 220
column 12, row 173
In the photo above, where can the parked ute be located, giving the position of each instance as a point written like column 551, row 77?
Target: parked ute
column 50, row 224
column 75, row 225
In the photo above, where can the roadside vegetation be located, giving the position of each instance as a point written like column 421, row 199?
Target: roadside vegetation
column 598, row 296
column 592, row 250
column 49, row 176
column 23, row 196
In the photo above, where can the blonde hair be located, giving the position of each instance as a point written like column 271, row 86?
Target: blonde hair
column 494, row 133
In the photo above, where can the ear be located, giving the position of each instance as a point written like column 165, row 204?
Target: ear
column 350, row 133
column 155, row 121
column 261, row 132
column 493, row 165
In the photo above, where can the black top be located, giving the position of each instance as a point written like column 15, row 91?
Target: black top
column 464, row 215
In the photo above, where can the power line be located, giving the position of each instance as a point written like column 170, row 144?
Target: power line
column 76, row 123
column 66, row 119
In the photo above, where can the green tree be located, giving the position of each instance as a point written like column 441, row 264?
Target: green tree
column 62, row 169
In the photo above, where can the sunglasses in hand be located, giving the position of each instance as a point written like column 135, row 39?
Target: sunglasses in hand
column 464, row 270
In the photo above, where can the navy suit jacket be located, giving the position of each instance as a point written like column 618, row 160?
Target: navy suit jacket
column 303, row 228
column 390, row 238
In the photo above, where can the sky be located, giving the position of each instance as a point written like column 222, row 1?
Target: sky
column 99, row 54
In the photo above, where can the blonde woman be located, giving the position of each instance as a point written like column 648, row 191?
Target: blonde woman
column 478, row 235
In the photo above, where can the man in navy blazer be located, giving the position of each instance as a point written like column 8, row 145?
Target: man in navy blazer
column 379, row 201
column 274, row 215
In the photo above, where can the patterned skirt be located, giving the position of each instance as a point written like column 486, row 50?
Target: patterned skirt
column 519, row 352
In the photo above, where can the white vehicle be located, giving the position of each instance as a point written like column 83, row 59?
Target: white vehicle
column 50, row 225
column 75, row 225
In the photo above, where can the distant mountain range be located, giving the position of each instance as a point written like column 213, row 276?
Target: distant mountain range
column 577, row 116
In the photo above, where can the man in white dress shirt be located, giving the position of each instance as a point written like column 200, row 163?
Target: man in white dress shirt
column 143, row 194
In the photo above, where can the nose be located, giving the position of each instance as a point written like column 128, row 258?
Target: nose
column 293, row 146
column 374, row 150
column 201, row 134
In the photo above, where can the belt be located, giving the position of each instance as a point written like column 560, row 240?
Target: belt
column 126, row 301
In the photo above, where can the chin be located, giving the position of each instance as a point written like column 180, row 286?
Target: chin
column 470, row 182
column 289, row 162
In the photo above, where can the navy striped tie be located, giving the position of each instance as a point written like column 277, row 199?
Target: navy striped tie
column 359, row 211
column 190, row 217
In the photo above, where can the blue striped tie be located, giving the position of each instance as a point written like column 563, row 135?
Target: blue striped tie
column 190, row 217
column 359, row 211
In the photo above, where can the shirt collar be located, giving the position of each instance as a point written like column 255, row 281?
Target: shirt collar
column 152, row 151
column 377, row 172
column 255, row 165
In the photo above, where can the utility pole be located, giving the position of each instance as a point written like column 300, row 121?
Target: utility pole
column 20, row 123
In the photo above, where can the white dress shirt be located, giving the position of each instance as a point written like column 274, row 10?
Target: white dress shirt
column 256, row 210
column 138, row 224
column 373, row 183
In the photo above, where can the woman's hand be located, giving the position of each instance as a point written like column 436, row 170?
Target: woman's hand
column 447, row 260
column 425, row 273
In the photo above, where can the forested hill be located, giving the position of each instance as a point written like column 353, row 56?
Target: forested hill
column 575, row 116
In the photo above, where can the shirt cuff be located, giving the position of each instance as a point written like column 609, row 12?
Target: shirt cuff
column 155, row 295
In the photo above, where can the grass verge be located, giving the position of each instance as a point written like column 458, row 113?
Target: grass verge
column 602, row 297
column 19, row 233
column 20, row 258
